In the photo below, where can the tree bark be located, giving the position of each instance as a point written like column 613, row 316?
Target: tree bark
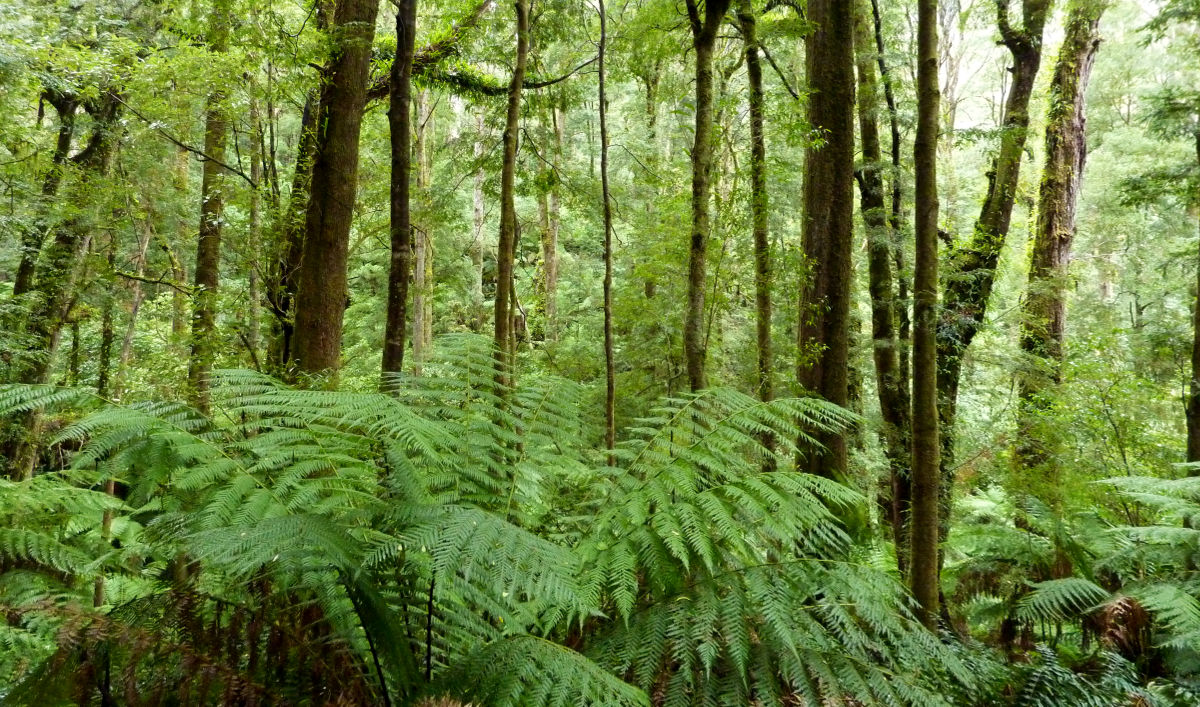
column 107, row 328
column 896, row 220
column 58, row 268
column 286, row 266
column 890, row 378
column 54, row 280
column 31, row 242
column 549, row 208
column 704, row 38
column 973, row 265
column 824, row 306
column 321, row 291
column 400, row 124
column 925, row 445
column 254, row 246
column 759, row 204
column 422, row 245
column 1193, row 399
column 1043, row 318
column 478, row 314
column 208, row 243
column 610, row 375
column 179, row 298
column 507, row 244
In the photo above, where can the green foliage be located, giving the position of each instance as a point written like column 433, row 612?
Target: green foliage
column 448, row 529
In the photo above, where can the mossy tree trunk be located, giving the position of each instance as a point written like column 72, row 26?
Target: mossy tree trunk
column 891, row 378
column 704, row 39
column 507, row 244
column 212, row 208
column 1043, row 320
column 321, row 291
column 972, row 264
column 400, row 125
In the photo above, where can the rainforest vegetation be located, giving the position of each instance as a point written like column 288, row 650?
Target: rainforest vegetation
column 600, row 352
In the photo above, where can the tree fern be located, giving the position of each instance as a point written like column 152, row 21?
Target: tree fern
column 449, row 528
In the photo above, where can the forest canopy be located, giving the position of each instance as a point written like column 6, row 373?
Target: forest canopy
column 583, row 352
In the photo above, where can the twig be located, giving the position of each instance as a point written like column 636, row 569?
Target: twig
column 775, row 66
column 160, row 280
column 194, row 150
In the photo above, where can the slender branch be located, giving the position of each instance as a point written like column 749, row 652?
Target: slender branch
column 153, row 124
column 160, row 280
column 778, row 72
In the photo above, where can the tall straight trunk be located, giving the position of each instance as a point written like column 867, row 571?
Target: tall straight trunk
column 759, row 205
column 208, row 242
column 610, row 374
column 478, row 315
column 321, row 291
column 179, row 297
column 400, row 125
column 285, row 268
column 66, row 106
column 824, row 303
column 419, row 285
column 289, row 249
column 422, row 239
column 1192, row 408
column 254, row 236
column 1043, row 318
column 925, row 575
column 891, row 381
column 704, row 39
column 896, row 219
column 968, row 286
column 73, row 358
column 107, row 327
column 550, row 206
column 507, row 244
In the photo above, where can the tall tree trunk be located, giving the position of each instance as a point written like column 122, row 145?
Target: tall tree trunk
column 478, row 315
column 55, row 276
column 704, row 39
column 58, row 268
column 891, row 381
column 896, row 219
column 824, row 307
column 208, row 242
column 968, row 286
column 31, row 242
column 507, row 244
column 400, row 124
column 107, row 331
column 925, row 445
column 549, row 207
column 321, row 291
column 1192, row 409
column 759, row 205
column 179, row 297
column 285, row 268
column 422, row 237
column 254, row 236
column 610, row 374
column 1044, row 311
